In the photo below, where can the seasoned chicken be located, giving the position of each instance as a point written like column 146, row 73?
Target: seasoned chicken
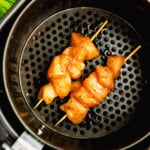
column 106, row 76
column 85, row 43
column 75, row 69
column 74, row 110
column 84, row 97
column 96, row 90
column 75, row 85
column 55, row 69
column 62, row 85
column 47, row 93
column 115, row 64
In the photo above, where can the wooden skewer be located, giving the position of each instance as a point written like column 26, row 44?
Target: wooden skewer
column 63, row 118
column 38, row 103
column 92, row 38
column 128, row 57
column 99, row 30
column 133, row 52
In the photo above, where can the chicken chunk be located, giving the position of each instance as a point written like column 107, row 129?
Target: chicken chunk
column 55, row 69
column 62, row 85
column 83, row 96
column 97, row 90
column 105, row 76
column 75, row 85
column 75, row 69
column 47, row 93
column 75, row 111
column 115, row 64
column 78, row 53
column 85, row 43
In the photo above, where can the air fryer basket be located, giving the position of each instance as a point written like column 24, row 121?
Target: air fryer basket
column 29, row 61
column 51, row 37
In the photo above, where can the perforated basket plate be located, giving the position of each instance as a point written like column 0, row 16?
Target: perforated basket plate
column 51, row 37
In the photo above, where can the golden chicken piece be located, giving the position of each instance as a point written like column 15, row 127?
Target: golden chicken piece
column 65, row 61
column 84, row 97
column 67, row 51
column 62, row 85
column 75, row 85
column 85, row 43
column 97, row 90
column 55, row 69
column 74, row 110
column 78, row 53
column 106, row 76
column 47, row 93
column 75, row 69
column 115, row 64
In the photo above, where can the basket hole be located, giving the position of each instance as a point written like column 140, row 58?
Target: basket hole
column 89, row 13
column 68, row 127
column 54, row 31
column 130, row 109
column 43, row 48
column 123, row 107
column 45, row 111
column 121, row 92
column 75, row 129
column 124, row 114
column 98, row 118
column 52, row 106
column 106, row 121
column 122, row 99
column 129, row 102
column 116, row 104
column 110, row 27
column 25, row 61
column 53, row 114
column 58, row 20
column 94, row 130
column 27, row 76
column 104, row 106
column 109, row 101
column 117, row 111
column 113, row 123
column 46, row 119
column 48, row 36
column 112, row 116
column 113, row 42
column 64, row 16
column 107, row 128
column 119, row 119
column 53, row 24
column 28, row 83
column 47, row 29
column 30, row 49
column 105, row 113
column 111, row 109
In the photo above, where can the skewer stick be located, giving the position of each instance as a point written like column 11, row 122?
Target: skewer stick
column 63, row 118
column 133, row 52
column 99, row 30
column 39, row 102
column 128, row 57
column 92, row 38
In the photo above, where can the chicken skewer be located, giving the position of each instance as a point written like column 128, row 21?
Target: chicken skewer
column 103, row 79
column 63, row 67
